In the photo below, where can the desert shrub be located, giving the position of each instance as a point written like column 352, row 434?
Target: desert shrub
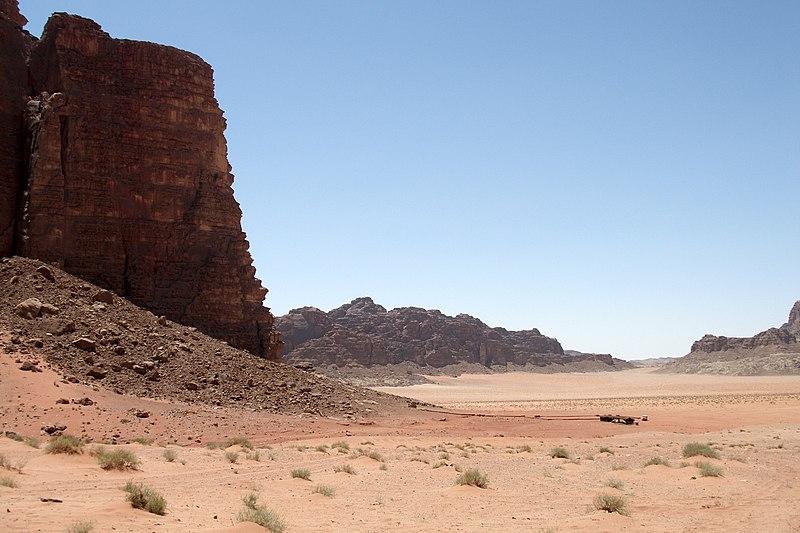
column 375, row 456
column 170, row 455
column 141, row 497
column 241, row 441
column 606, row 449
column 524, row 448
column 67, row 444
column 119, row 459
column 610, row 503
column 694, row 449
column 708, row 470
column 254, row 456
column 615, row 483
column 440, row 464
column 81, row 527
column 657, row 461
column 144, row 441
column 342, row 445
column 18, row 466
column 474, row 477
column 383, row 467
column 8, row 481
column 323, row 448
column 302, row 473
column 33, row 442
column 231, row 456
column 253, row 512
column 325, row 490
column 347, row 469
column 559, row 452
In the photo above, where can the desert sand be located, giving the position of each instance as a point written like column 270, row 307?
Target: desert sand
column 406, row 465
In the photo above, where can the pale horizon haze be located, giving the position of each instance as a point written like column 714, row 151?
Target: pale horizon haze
column 623, row 176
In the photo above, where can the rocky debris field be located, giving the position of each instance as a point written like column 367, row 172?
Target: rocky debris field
column 93, row 336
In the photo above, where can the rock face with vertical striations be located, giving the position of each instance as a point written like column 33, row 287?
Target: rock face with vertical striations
column 364, row 333
column 15, row 46
column 126, row 181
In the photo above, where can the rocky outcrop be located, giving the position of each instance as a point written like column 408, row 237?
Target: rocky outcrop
column 15, row 46
column 785, row 335
column 126, row 181
column 774, row 351
column 366, row 334
column 50, row 318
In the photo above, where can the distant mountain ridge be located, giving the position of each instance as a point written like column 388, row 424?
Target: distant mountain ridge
column 363, row 333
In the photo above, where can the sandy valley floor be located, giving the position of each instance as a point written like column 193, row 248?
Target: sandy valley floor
column 405, row 466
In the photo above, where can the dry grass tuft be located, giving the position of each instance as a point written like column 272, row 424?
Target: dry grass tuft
column 611, row 503
column 473, row 477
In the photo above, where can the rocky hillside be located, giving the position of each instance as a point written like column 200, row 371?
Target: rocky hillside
column 113, row 166
column 364, row 334
column 90, row 335
column 774, row 351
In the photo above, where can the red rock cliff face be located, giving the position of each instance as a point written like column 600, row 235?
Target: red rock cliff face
column 128, row 183
column 14, row 47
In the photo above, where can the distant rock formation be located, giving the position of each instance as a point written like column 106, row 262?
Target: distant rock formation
column 366, row 334
column 116, row 170
column 783, row 336
column 774, row 351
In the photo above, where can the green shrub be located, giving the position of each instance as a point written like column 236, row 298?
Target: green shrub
column 119, row 459
column 33, row 442
column 474, row 477
column 559, row 452
column 347, row 469
column 610, row 503
column 694, row 449
column 141, row 497
column 231, row 456
column 302, row 473
column 708, row 469
column 66, row 444
column 241, row 441
column 253, row 512
column 325, row 490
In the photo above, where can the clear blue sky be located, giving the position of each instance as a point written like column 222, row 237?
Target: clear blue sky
column 624, row 176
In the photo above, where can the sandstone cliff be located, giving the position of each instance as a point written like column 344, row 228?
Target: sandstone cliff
column 366, row 334
column 774, row 351
column 15, row 47
column 122, row 177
